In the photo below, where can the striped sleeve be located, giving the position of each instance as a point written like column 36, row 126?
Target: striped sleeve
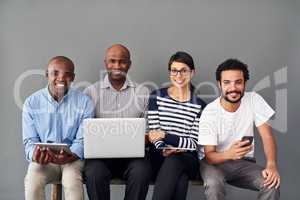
column 152, row 113
column 185, row 141
column 153, row 117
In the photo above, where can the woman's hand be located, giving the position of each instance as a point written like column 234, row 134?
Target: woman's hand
column 156, row 135
column 168, row 152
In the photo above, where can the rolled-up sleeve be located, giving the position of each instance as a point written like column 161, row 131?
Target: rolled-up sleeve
column 29, row 132
column 77, row 146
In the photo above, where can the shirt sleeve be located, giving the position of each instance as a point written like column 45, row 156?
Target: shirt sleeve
column 77, row 145
column 144, row 98
column 92, row 92
column 262, row 111
column 153, row 118
column 185, row 142
column 152, row 113
column 191, row 140
column 29, row 132
column 208, row 128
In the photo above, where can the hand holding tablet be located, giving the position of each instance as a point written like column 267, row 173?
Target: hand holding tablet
column 55, row 147
column 176, row 148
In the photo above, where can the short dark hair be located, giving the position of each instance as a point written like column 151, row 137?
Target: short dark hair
column 64, row 59
column 182, row 57
column 232, row 64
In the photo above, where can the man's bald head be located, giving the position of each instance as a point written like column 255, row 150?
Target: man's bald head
column 118, row 49
column 117, row 62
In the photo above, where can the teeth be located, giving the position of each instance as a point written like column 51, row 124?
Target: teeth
column 117, row 72
column 60, row 85
column 233, row 94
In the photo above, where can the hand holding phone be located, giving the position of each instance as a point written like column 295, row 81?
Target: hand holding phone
column 249, row 138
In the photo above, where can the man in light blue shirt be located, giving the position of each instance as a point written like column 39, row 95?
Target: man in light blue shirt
column 54, row 115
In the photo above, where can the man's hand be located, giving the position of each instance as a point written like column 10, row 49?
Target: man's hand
column 41, row 155
column 156, row 135
column 271, row 176
column 237, row 151
column 168, row 152
column 62, row 157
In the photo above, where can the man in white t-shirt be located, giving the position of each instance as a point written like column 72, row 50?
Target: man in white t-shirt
column 223, row 124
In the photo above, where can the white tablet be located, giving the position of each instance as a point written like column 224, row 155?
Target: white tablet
column 55, row 147
column 177, row 148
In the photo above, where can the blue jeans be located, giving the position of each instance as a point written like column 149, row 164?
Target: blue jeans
column 240, row 173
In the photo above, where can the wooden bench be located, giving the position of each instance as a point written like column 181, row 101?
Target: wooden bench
column 56, row 188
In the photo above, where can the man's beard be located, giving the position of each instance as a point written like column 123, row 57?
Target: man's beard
column 241, row 93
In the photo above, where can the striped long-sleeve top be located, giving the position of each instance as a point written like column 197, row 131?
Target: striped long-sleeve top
column 179, row 120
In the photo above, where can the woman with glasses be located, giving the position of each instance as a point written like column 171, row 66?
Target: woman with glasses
column 173, row 120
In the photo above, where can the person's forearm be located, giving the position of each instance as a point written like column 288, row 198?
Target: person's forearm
column 29, row 149
column 159, row 143
column 270, row 150
column 269, row 144
column 217, row 157
column 179, row 141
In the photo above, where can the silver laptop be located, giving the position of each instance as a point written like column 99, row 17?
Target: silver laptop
column 114, row 137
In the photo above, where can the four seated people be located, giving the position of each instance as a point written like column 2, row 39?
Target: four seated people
column 184, row 137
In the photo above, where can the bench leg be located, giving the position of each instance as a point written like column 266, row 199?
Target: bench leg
column 56, row 192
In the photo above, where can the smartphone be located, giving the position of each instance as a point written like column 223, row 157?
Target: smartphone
column 249, row 138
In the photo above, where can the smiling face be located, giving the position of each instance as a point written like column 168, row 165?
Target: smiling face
column 60, row 74
column 117, row 62
column 232, row 85
column 180, row 75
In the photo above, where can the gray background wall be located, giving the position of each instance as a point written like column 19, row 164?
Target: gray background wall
column 264, row 34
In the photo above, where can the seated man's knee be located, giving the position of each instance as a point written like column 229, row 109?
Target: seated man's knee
column 214, row 182
column 140, row 171
column 71, row 179
column 259, row 183
column 96, row 171
column 35, row 181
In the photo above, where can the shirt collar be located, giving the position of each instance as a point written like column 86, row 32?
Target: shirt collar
column 51, row 99
column 106, row 83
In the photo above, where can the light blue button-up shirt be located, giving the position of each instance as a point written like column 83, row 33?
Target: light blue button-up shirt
column 46, row 120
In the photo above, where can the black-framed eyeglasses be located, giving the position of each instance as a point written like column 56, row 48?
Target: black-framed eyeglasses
column 183, row 72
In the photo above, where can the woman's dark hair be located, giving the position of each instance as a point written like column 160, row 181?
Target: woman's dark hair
column 182, row 57
column 232, row 64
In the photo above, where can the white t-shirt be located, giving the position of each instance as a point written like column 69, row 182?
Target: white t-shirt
column 221, row 128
